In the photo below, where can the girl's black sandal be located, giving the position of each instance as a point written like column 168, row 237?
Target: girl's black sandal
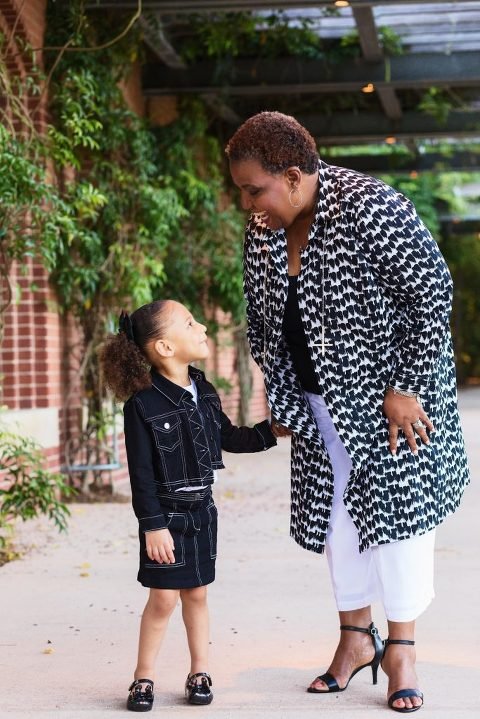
column 140, row 698
column 198, row 693
column 403, row 693
column 330, row 680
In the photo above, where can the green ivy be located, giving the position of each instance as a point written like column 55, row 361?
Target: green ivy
column 203, row 264
column 222, row 36
column 146, row 210
column 436, row 102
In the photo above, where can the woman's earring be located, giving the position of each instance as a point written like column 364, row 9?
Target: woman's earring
column 300, row 197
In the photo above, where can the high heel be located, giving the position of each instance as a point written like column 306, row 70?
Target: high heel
column 330, row 680
column 402, row 693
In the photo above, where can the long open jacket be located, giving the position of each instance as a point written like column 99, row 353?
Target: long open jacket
column 373, row 276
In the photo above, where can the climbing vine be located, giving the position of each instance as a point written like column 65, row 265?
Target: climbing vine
column 146, row 205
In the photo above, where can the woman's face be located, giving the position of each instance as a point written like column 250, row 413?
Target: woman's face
column 264, row 194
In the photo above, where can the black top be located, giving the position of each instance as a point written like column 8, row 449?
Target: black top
column 296, row 339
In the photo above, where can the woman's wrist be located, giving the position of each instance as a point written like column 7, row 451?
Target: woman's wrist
column 405, row 393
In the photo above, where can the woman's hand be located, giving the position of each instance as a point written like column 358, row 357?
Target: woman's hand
column 406, row 414
column 279, row 430
column 160, row 546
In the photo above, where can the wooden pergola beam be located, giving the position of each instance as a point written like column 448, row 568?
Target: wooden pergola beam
column 399, row 163
column 173, row 7
column 373, row 52
column 281, row 76
column 367, row 32
column 348, row 128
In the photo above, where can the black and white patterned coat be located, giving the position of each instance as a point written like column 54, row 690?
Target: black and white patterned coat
column 386, row 299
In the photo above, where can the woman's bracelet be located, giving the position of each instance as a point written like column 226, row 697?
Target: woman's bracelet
column 405, row 393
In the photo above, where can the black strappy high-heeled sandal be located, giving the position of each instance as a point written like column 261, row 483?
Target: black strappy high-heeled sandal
column 198, row 693
column 140, row 699
column 330, row 680
column 402, row 693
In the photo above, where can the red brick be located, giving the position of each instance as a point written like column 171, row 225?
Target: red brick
column 41, row 402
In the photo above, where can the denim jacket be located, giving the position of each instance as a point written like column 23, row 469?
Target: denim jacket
column 172, row 442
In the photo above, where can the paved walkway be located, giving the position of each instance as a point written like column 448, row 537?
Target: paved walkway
column 71, row 609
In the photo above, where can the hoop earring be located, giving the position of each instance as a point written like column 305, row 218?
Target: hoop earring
column 293, row 204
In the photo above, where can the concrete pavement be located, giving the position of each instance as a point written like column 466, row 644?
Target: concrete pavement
column 71, row 610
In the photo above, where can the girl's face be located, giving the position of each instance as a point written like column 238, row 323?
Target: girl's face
column 185, row 338
column 264, row 194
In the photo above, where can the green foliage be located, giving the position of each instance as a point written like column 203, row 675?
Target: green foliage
column 225, row 36
column 390, row 41
column 228, row 35
column 203, row 264
column 121, row 212
column 144, row 213
column 24, row 193
column 462, row 253
column 436, row 102
column 31, row 490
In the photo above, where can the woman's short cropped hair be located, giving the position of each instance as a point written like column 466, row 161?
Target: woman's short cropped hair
column 276, row 141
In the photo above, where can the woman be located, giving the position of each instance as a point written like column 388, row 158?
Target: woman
column 348, row 303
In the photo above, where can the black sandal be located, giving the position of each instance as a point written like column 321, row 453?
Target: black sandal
column 402, row 693
column 140, row 699
column 330, row 680
column 198, row 693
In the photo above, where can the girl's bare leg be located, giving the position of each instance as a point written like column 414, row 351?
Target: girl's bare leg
column 157, row 612
column 196, row 620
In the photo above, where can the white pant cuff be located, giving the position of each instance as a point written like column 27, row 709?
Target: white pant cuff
column 409, row 614
column 352, row 605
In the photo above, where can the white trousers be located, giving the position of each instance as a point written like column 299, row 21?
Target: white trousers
column 399, row 575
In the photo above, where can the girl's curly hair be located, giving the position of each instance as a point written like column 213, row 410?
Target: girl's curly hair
column 124, row 362
column 276, row 141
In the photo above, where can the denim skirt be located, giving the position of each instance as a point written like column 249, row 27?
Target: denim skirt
column 192, row 522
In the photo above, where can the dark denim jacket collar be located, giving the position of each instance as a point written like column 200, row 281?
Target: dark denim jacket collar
column 173, row 391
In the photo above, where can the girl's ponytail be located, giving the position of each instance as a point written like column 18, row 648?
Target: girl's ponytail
column 123, row 356
column 124, row 368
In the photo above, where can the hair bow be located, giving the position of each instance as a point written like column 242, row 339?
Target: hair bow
column 125, row 325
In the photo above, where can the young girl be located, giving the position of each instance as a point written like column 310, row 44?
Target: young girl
column 175, row 431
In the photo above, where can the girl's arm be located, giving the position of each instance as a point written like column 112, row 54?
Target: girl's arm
column 246, row 439
column 138, row 443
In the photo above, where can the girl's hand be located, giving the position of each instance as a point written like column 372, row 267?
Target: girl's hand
column 160, row 546
column 404, row 413
column 278, row 430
